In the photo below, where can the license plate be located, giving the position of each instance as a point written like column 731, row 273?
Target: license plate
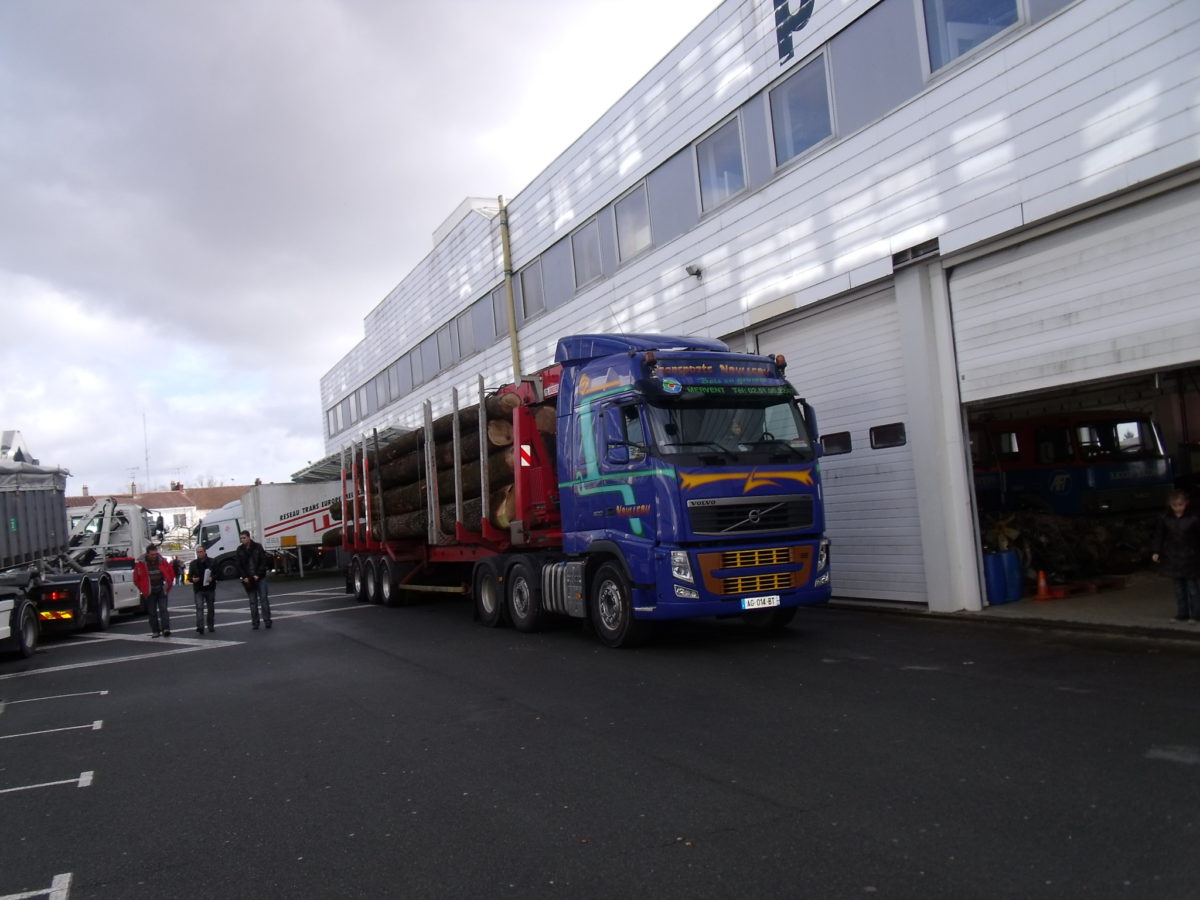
column 760, row 602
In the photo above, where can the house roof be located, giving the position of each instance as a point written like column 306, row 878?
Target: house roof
column 199, row 498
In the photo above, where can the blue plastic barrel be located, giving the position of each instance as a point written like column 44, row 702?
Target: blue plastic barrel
column 1014, row 575
column 995, row 579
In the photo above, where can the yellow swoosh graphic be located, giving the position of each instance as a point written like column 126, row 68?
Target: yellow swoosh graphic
column 688, row 481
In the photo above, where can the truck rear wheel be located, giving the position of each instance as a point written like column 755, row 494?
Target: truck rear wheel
column 488, row 589
column 26, row 628
column 104, row 605
column 611, row 608
column 524, row 592
column 371, row 573
column 358, row 580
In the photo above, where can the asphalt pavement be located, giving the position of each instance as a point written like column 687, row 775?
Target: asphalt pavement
column 362, row 751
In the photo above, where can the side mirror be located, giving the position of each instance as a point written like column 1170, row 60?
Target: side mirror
column 618, row 453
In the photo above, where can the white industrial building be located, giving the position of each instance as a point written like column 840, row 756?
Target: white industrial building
column 927, row 205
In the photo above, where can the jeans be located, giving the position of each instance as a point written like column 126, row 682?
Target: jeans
column 1187, row 598
column 156, row 606
column 256, row 593
column 205, row 598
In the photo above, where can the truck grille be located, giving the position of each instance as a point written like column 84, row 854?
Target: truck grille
column 757, row 516
column 736, row 573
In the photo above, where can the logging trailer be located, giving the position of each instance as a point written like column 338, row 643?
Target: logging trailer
column 641, row 478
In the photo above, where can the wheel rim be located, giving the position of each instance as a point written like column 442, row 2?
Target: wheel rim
column 358, row 578
column 104, row 614
column 372, row 586
column 488, row 598
column 610, row 606
column 385, row 586
column 520, row 598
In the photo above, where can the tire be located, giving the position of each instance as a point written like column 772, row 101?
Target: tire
column 26, row 628
column 104, row 605
column 357, row 580
column 770, row 619
column 488, row 590
column 523, row 595
column 227, row 571
column 372, row 570
column 610, row 604
column 389, row 593
column 82, row 609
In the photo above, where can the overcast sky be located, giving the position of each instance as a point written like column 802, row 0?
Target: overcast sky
column 200, row 200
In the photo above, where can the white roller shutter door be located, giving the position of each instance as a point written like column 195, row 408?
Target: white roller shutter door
column 846, row 361
column 1112, row 296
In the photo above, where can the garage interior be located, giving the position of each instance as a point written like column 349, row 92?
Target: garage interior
column 1096, row 562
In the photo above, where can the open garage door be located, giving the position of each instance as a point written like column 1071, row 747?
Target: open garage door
column 846, row 360
column 1107, row 298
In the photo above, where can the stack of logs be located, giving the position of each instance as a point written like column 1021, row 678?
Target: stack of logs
column 400, row 473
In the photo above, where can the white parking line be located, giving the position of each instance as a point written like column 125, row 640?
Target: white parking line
column 56, row 697
column 60, row 888
column 84, row 780
column 95, row 726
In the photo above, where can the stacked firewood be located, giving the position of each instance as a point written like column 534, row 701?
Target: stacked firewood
column 400, row 476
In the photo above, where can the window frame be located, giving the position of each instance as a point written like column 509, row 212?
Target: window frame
column 590, row 227
column 821, row 56
column 526, row 312
column 639, row 188
column 880, row 442
column 735, row 120
column 1021, row 18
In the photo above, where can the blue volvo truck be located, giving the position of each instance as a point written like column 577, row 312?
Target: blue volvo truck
column 654, row 477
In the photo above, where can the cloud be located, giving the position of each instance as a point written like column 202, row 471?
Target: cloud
column 202, row 201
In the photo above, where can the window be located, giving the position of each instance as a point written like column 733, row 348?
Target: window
column 345, row 420
column 466, row 334
column 838, row 442
column 1053, row 445
column 800, row 111
column 383, row 390
column 180, row 520
column 1007, row 446
column 585, row 249
column 499, row 313
column 532, row 299
column 447, row 351
column 635, row 434
column 331, row 422
column 633, row 223
column 954, row 27
column 352, row 409
column 429, row 357
column 888, row 436
column 719, row 160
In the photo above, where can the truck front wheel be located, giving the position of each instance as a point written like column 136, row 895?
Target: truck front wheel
column 227, row 570
column 524, row 589
column 611, row 608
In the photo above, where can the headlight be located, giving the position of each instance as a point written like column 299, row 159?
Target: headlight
column 823, row 556
column 681, row 568
column 686, row 593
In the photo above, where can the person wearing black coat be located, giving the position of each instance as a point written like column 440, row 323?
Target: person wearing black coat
column 203, row 577
column 1177, row 551
column 252, row 568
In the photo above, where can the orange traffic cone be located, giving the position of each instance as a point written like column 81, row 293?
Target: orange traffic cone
column 1043, row 591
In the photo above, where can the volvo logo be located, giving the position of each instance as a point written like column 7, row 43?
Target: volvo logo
column 754, row 515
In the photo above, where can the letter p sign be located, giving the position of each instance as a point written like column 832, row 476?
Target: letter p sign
column 788, row 23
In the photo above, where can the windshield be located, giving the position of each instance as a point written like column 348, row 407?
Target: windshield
column 737, row 429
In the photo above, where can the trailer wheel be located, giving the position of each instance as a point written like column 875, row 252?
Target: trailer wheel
column 488, row 589
column 371, row 573
column 523, row 588
column 26, row 629
column 769, row 619
column 611, row 608
column 104, row 605
column 357, row 579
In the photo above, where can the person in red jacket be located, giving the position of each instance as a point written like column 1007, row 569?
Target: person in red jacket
column 154, row 576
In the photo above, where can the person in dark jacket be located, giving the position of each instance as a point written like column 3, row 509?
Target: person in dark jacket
column 252, row 568
column 204, row 588
column 1177, row 550
column 154, row 576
